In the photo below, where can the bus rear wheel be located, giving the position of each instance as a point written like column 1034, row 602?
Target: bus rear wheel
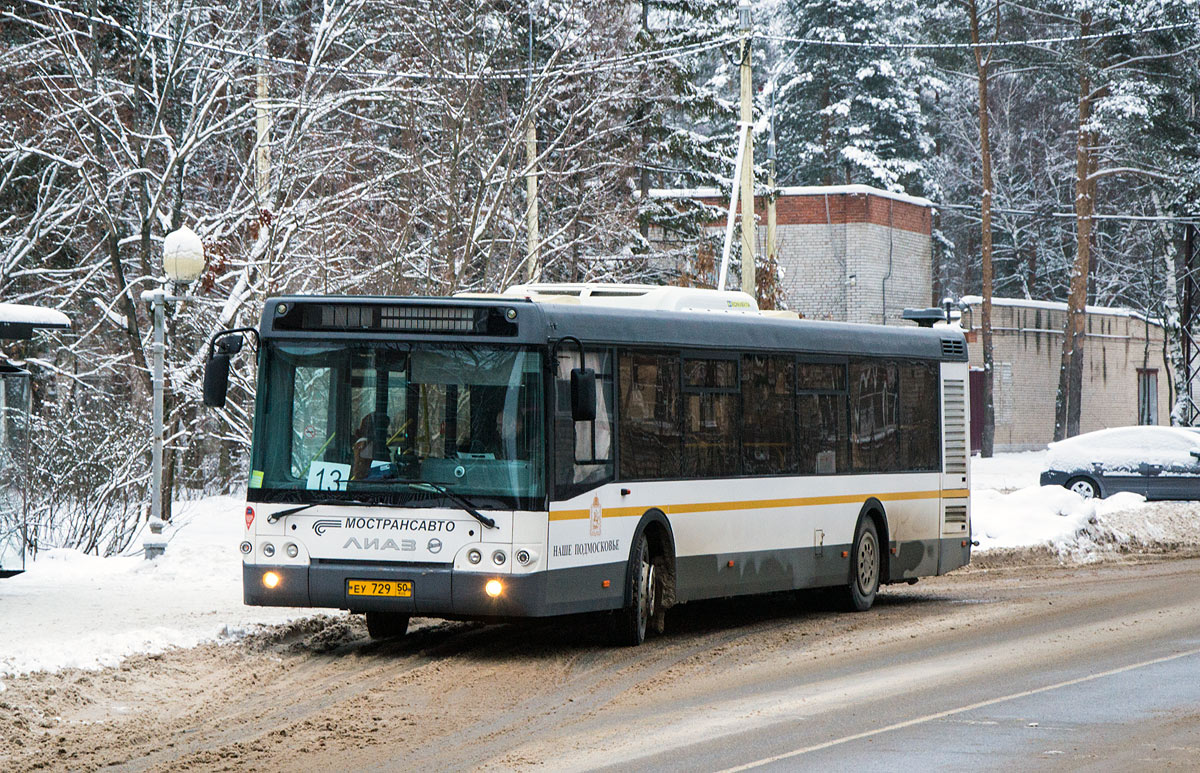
column 644, row 612
column 386, row 625
column 865, row 565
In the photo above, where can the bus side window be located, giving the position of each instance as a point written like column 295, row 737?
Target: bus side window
column 711, row 399
column 874, row 416
column 768, row 422
column 583, row 449
column 920, row 416
column 821, row 418
column 649, row 431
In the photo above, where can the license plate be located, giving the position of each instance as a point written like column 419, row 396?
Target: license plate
column 401, row 589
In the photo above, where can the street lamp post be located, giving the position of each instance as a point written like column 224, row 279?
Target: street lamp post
column 183, row 262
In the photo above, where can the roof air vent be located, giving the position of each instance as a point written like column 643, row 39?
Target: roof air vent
column 953, row 348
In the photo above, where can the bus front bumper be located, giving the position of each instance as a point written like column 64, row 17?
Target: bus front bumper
column 437, row 591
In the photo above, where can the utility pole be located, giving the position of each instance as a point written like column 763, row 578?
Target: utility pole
column 772, row 249
column 532, row 256
column 747, row 120
column 1191, row 352
column 262, row 125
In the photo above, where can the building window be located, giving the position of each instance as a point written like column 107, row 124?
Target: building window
column 1147, row 395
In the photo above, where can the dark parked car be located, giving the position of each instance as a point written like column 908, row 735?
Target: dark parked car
column 1156, row 462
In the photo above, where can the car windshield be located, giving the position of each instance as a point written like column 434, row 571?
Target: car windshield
column 372, row 421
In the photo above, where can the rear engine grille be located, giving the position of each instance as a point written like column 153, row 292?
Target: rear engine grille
column 954, row 420
column 956, row 514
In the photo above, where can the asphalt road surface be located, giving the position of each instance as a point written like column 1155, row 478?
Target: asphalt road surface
column 1012, row 667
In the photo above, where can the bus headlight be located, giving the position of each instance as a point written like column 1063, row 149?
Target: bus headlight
column 291, row 550
column 493, row 588
column 246, row 548
column 268, row 549
column 524, row 557
column 474, row 556
column 498, row 558
column 271, row 580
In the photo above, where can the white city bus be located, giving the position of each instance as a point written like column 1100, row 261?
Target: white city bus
column 453, row 457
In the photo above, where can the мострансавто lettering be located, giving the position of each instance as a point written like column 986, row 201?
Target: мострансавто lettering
column 400, row 524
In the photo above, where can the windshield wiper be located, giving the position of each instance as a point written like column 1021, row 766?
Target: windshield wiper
column 273, row 517
column 457, row 499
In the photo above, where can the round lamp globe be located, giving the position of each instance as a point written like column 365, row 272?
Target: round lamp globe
column 183, row 255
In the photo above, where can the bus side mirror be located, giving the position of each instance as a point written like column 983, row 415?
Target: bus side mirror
column 216, row 379
column 221, row 349
column 583, row 394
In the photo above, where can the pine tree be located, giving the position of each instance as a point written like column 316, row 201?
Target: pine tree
column 686, row 116
column 854, row 114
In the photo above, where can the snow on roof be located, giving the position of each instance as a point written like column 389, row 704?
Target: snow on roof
column 20, row 314
column 794, row 190
column 1112, row 311
column 660, row 297
column 19, row 321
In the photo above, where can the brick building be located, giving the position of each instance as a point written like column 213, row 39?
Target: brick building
column 849, row 253
column 1125, row 371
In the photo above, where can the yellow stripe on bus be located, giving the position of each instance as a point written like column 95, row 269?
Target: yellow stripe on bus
column 762, row 504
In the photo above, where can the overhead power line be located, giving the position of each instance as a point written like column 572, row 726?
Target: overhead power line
column 996, row 44
column 574, row 69
column 1184, row 219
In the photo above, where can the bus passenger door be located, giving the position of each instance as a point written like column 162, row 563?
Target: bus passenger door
column 583, row 456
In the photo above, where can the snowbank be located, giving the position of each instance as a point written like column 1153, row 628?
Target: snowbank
column 1049, row 516
column 1010, row 509
column 74, row 610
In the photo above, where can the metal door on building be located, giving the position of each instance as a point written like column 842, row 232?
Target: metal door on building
column 976, row 409
column 14, row 467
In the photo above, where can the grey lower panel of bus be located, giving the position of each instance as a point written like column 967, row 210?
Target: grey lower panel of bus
column 767, row 571
column 440, row 592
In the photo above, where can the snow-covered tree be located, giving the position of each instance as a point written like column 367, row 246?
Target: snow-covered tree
column 849, row 114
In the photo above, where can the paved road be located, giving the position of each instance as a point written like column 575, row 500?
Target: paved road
column 1099, row 673
column 1011, row 668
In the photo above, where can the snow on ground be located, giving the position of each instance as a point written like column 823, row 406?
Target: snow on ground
column 1010, row 509
column 1005, row 472
column 74, row 610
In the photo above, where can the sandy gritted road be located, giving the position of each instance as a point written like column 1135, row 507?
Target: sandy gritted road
column 1094, row 667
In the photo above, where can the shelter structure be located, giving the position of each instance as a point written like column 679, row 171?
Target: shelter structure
column 17, row 321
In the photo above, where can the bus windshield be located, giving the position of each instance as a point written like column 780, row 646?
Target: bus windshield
column 379, row 421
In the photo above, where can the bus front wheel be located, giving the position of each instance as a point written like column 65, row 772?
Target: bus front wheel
column 386, row 625
column 865, row 565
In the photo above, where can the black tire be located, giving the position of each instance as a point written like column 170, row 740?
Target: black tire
column 645, row 596
column 1084, row 487
column 658, row 621
column 386, row 625
column 866, row 564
